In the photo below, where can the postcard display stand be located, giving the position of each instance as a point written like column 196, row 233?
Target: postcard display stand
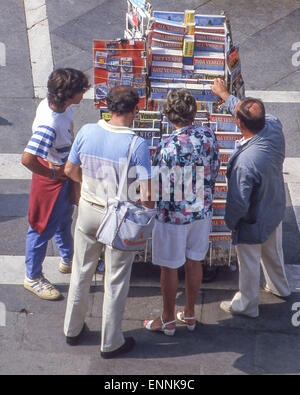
column 166, row 50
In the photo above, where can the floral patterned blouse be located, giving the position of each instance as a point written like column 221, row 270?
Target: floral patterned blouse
column 186, row 197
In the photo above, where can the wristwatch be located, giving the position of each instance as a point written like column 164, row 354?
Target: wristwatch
column 53, row 175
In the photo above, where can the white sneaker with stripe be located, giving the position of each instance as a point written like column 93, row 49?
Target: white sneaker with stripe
column 42, row 288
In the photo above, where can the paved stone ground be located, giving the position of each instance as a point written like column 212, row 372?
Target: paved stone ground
column 33, row 343
column 31, row 339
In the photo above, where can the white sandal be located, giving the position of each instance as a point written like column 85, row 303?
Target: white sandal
column 164, row 329
column 180, row 316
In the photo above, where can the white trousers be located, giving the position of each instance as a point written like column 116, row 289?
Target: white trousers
column 270, row 255
column 118, row 266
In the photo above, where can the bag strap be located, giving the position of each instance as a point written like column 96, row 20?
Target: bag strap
column 125, row 170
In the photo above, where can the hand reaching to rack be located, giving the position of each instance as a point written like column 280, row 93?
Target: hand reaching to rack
column 219, row 88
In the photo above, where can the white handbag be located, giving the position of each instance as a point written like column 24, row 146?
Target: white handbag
column 126, row 226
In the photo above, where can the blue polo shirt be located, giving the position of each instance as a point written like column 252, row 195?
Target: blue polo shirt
column 101, row 150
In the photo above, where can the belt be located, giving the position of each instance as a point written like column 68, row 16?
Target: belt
column 93, row 204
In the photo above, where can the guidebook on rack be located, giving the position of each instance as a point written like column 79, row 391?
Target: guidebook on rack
column 166, row 36
column 148, row 134
column 167, row 26
column 210, row 29
column 225, row 154
column 159, row 90
column 156, row 42
column 237, row 86
column 203, row 45
column 218, row 224
column 163, row 69
column 209, row 60
column 209, row 74
column 202, row 20
column 137, row 18
column 227, row 140
column 215, row 37
column 147, row 125
column 143, row 5
column 221, row 251
column 166, row 55
column 220, row 191
column 222, row 174
column 223, row 122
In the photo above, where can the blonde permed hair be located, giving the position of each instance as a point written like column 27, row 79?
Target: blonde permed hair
column 181, row 107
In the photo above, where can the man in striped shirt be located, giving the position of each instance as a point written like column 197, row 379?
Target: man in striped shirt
column 50, row 209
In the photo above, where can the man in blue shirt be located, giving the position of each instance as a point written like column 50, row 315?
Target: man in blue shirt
column 95, row 160
column 255, row 201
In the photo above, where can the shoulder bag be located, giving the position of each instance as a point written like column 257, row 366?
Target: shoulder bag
column 126, row 225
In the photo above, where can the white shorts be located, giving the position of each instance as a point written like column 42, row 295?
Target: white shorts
column 172, row 244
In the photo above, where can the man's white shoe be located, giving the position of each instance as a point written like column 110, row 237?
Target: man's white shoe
column 42, row 288
column 268, row 290
column 65, row 267
column 226, row 306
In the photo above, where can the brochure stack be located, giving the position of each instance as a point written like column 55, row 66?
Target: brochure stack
column 148, row 126
column 185, row 51
column 227, row 133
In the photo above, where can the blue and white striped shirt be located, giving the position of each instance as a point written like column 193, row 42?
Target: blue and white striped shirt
column 52, row 134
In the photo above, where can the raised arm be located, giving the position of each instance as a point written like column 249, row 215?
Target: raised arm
column 219, row 88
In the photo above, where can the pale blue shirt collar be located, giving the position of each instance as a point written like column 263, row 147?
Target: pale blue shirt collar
column 241, row 142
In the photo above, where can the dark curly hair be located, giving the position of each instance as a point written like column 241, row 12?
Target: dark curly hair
column 122, row 99
column 64, row 84
column 181, row 107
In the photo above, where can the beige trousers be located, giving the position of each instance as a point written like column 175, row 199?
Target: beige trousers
column 118, row 266
column 270, row 255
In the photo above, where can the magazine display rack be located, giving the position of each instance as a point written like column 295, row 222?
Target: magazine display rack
column 166, row 50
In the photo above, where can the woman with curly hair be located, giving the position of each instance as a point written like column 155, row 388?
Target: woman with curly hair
column 181, row 234
column 50, row 209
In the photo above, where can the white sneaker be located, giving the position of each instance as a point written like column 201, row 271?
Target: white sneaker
column 268, row 290
column 226, row 306
column 65, row 267
column 42, row 288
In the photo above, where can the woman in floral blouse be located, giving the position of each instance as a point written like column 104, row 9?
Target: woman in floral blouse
column 186, row 164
